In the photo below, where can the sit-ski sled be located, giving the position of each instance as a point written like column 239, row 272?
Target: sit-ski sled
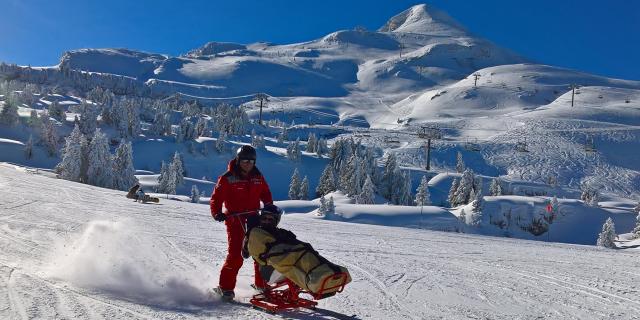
column 285, row 294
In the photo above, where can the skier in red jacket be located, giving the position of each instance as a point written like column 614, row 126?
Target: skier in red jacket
column 241, row 189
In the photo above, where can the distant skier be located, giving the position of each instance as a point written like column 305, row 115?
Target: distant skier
column 132, row 192
column 241, row 189
column 140, row 195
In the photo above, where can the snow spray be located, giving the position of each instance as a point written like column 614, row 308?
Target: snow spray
column 117, row 259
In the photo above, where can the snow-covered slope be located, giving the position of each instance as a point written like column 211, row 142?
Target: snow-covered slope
column 70, row 250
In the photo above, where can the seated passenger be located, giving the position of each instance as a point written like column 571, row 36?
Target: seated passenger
column 298, row 261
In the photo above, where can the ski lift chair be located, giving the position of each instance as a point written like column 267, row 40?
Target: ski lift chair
column 283, row 294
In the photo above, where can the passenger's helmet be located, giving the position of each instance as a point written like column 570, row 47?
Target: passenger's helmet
column 273, row 211
column 246, row 152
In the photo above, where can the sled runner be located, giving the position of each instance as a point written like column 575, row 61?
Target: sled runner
column 303, row 270
column 285, row 294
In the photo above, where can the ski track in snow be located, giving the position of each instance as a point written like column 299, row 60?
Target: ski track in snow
column 397, row 272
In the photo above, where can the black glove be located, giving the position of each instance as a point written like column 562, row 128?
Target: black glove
column 220, row 217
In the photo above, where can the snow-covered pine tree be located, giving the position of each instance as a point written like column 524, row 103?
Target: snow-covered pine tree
column 202, row 127
column 452, row 192
column 9, row 114
column 322, row 210
column 34, row 120
column 476, row 218
column 478, row 200
column 28, row 148
column 123, row 171
column 463, row 216
column 495, row 189
column 100, row 168
column 467, row 182
column 56, row 111
column 327, row 181
column 367, row 195
column 389, row 177
column 195, row 194
column 331, row 208
column 312, row 143
column 70, row 166
column 220, row 143
column 636, row 230
column 607, row 237
column 177, row 169
column 163, row 178
column 460, row 167
column 403, row 197
column 293, row 151
column 422, row 193
column 321, row 148
column 304, row 189
column 88, row 118
column 133, row 111
column 294, row 186
column 49, row 136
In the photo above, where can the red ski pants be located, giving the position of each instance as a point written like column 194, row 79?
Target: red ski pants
column 233, row 262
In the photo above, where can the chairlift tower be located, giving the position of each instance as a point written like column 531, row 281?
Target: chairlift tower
column 429, row 133
column 573, row 92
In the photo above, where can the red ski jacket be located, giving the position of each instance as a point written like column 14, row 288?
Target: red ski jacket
column 239, row 194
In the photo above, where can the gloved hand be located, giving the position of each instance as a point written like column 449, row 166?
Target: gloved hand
column 220, row 217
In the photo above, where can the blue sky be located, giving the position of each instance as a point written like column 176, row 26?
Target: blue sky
column 601, row 37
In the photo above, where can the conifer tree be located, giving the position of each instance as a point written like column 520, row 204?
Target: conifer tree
column 88, row 118
column 495, row 189
column 312, row 143
column 56, row 111
column 9, row 114
column 422, row 193
column 463, row 216
column 220, row 143
column 404, row 192
column 389, row 177
column 607, row 237
column 100, row 168
column 70, row 166
column 177, row 169
column 195, row 194
column 327, row 182
column 293, row 151
column 452, row 192
column 35, row 121
column 304, row 189
column 294, row 186
column 123, row 171
column 322, row 210
column 367, row 195
column 636, row 230
column 478, row 200
column 467, row 182
column 163, row 178
column 460, row 167
column 331, row 208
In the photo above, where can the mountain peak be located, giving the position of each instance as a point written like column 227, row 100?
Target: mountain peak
column 424, row 19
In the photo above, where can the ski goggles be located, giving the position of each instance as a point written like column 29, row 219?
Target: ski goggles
column 252, row 161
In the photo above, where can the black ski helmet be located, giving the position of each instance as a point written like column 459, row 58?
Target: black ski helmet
column 272, row 210
column 246, row 152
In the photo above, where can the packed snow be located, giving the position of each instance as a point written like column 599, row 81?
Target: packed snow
column 76, row 251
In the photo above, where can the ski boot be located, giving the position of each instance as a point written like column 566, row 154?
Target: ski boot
column 225, row 295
